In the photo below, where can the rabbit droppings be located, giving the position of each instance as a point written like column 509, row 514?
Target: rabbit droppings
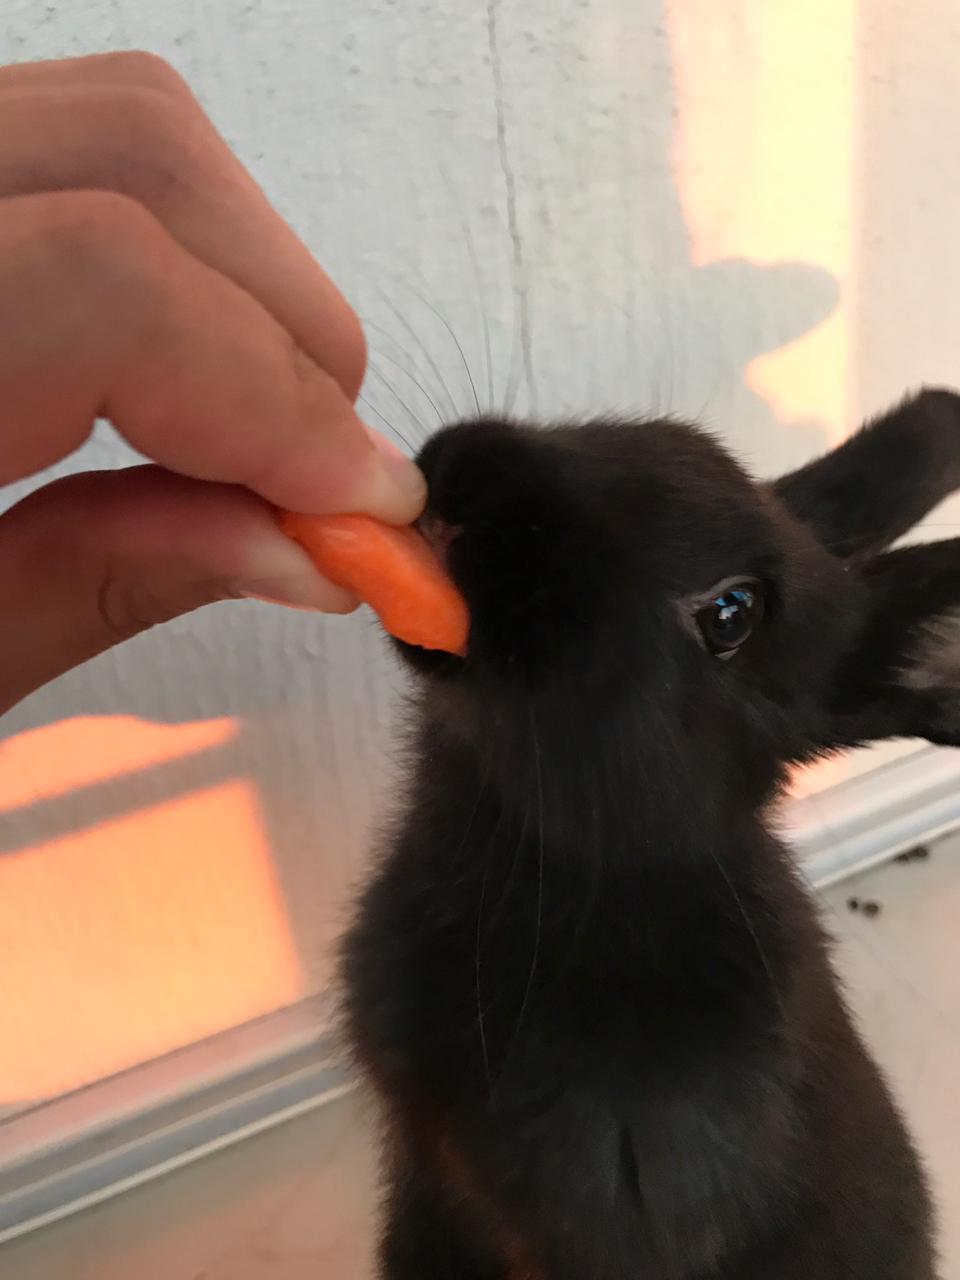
column 586, row 983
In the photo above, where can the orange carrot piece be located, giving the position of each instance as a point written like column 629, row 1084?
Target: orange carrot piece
column 393, row 570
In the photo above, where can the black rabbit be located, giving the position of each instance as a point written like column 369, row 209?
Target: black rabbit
column 587, row 984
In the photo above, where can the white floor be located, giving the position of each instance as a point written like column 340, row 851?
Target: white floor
column 296, row 1204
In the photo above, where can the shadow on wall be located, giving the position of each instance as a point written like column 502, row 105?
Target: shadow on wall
column 222, row 896
column 559, row 222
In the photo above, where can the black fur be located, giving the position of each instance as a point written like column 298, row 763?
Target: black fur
column 587, row 983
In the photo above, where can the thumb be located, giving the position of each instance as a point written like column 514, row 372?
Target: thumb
column 94, row 559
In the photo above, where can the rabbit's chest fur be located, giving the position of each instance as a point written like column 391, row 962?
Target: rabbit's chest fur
column 623, row 1043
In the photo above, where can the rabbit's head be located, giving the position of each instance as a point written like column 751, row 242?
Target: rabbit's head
column 633, row 589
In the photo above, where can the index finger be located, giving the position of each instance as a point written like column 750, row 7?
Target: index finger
column 104, row 314
column 129, row 123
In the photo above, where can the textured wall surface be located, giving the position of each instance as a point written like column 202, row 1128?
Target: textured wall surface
column 745, row 212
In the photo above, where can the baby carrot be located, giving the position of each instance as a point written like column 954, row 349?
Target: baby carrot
column 393, row 570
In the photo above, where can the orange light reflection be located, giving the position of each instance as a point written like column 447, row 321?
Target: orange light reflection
column 143, row 932
column 57, row 758
column 763, row 166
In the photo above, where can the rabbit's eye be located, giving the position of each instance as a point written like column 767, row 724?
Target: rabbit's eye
column 730, row 617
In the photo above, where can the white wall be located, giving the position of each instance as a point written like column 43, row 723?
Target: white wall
column 747, row 211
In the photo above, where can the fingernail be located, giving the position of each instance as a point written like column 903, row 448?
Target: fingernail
column 285, row 604
column 280, row 572
column 317, row 596
column 403, row 474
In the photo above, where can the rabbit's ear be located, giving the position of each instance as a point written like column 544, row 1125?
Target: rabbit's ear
column 873, row 488
column 902, row 677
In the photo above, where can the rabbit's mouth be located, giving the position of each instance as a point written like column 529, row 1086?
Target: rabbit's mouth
column 438, row 534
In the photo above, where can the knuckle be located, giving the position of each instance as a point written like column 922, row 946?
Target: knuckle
column 106, row 244
column 310, row 388
column 159, row 145
column 355, row 356
column 140, row 66
column 121, row 616
column 304, row 372
column 128, row 606
column 95, row 227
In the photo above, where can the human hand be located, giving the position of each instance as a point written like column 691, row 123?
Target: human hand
column 145, row 278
